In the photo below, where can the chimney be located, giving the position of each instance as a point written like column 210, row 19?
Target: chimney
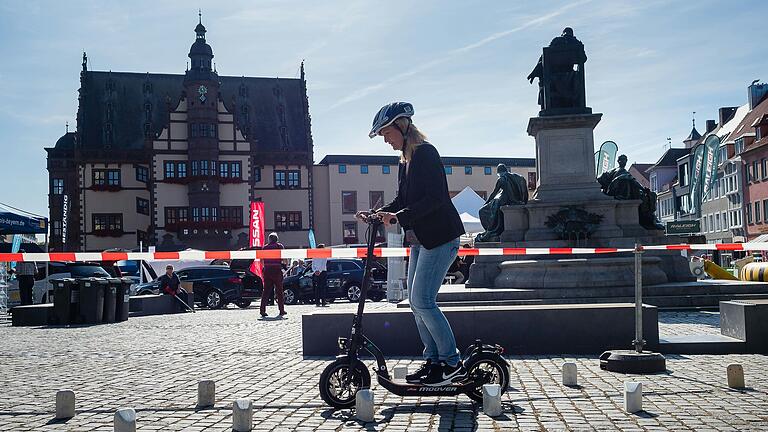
column 725, row 114
column 756, row 93
column 711, row 125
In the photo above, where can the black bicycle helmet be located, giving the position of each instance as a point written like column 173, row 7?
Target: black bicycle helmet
column 388, row 114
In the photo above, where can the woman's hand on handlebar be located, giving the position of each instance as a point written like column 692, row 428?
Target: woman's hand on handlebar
column 363, row 216
column 388, row 218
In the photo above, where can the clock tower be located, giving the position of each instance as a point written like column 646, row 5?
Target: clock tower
column 201, row 85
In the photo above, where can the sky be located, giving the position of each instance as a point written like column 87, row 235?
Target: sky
column 650, row 65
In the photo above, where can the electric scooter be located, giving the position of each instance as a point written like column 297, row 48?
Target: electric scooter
column 341, row 379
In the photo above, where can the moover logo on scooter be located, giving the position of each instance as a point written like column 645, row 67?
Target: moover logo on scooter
column 434, row 389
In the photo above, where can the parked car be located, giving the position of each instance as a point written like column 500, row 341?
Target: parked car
column 42, row 292
column 214, row 286
column 345, row 279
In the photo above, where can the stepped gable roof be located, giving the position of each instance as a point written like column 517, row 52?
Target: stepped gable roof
column 129, row 94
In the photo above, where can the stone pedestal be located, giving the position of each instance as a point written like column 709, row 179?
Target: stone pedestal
column 566, row 178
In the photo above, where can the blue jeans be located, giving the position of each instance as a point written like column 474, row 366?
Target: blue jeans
column 426, row 271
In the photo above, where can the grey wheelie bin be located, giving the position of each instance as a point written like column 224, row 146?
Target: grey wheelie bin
column 110, row 303
column 65, row 301
column 92, row 300
column 122, row 297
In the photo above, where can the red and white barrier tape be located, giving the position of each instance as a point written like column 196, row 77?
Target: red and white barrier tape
column 195, row 255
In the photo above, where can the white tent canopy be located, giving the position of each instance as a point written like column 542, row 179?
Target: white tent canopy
column 468, row 201
column 471, row 223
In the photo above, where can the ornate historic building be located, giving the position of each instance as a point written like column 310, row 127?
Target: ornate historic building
column 175, row 160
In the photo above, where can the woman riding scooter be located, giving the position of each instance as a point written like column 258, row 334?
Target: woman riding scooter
column 432, row 227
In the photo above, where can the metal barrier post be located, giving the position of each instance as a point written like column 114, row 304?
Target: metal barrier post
column 638, row 343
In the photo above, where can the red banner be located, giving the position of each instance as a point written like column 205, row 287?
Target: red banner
column 256, row 232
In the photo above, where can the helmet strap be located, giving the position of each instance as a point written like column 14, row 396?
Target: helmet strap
column 404, row 134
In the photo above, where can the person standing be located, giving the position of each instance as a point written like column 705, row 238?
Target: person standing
column 433, row 228
column 320, row 278
column 25, row 273
column 273, row 277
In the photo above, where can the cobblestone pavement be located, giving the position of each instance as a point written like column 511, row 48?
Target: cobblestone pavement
column 153, row 364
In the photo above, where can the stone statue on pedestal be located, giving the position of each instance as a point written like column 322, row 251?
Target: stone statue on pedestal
column 620, row 184
column 511, row 189
column 560, row 71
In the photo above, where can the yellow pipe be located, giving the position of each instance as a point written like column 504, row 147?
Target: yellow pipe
column 717, row 272
column 754, row 272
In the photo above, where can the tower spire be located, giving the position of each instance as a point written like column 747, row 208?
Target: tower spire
column 200, row 16
column 85, row 62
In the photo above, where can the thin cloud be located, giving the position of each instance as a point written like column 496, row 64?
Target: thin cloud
column 365, row 91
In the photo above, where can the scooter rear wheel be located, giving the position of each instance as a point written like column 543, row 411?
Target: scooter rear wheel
column 490, row 364
column 340, row 382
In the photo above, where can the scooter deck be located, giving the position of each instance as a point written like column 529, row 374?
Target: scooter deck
column 402, row 388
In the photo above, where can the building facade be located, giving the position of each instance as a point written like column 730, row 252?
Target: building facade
column 345, row 184
column 750, row 139
column 175, row 160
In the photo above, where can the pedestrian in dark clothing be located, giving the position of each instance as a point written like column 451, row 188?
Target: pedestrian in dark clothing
column 273, row 277
column 320, row 278
column 170, row 284
column 25, row 273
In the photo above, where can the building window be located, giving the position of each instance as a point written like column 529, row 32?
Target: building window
column 142, row 206
column 56, row 231
column 683, row 174
column 703, row 223
column 205, row 168
column 757, row 212
column 108, row 177
column 233, row 215
column 487, row 171
column 749, row 213
column 257, row 174
column 280, row 181
column 294, row 179
column 654, row 182
column 531, row 180
column 288, row 221
column 57, row 186
column 342, row 169
column 385, row 169
column 765, row 210
column 448, row 170
column 467, row 170
column 363, row 169
column 142, row 174
column 174, row 215
column 108, row 222
column 350, row 232
column 181, row 169
column 376, row 199
column 170, row 169
column 348, row 202
column 755, row 171
column 202, row 130
column 230, row 169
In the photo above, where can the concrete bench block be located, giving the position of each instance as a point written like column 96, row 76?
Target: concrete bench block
column 400, row 372
column 158, row 304
column 206, row 393
column 492, row 400
column 364, row 405
column 633, row 396
column 570, row 378
column 65, row 404
column 242, row 415
column 32, row 315
column 125, row 420
column 735, row 376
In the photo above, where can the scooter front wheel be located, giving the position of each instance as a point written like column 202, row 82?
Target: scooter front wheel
column 492, row 367
column 340, row 382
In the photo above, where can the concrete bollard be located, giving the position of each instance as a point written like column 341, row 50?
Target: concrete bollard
column 364, row 405
column 735, row 376
column 242, row 415
column 125, row 420
column 570, row 378
column 492, row 400
column 65, row 404
column 633, row 396
column 206, row 393
column 400, row 372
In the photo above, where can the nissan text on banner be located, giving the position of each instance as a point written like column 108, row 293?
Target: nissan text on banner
column 256, row 233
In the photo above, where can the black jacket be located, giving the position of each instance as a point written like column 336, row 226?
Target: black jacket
column 422, row 203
